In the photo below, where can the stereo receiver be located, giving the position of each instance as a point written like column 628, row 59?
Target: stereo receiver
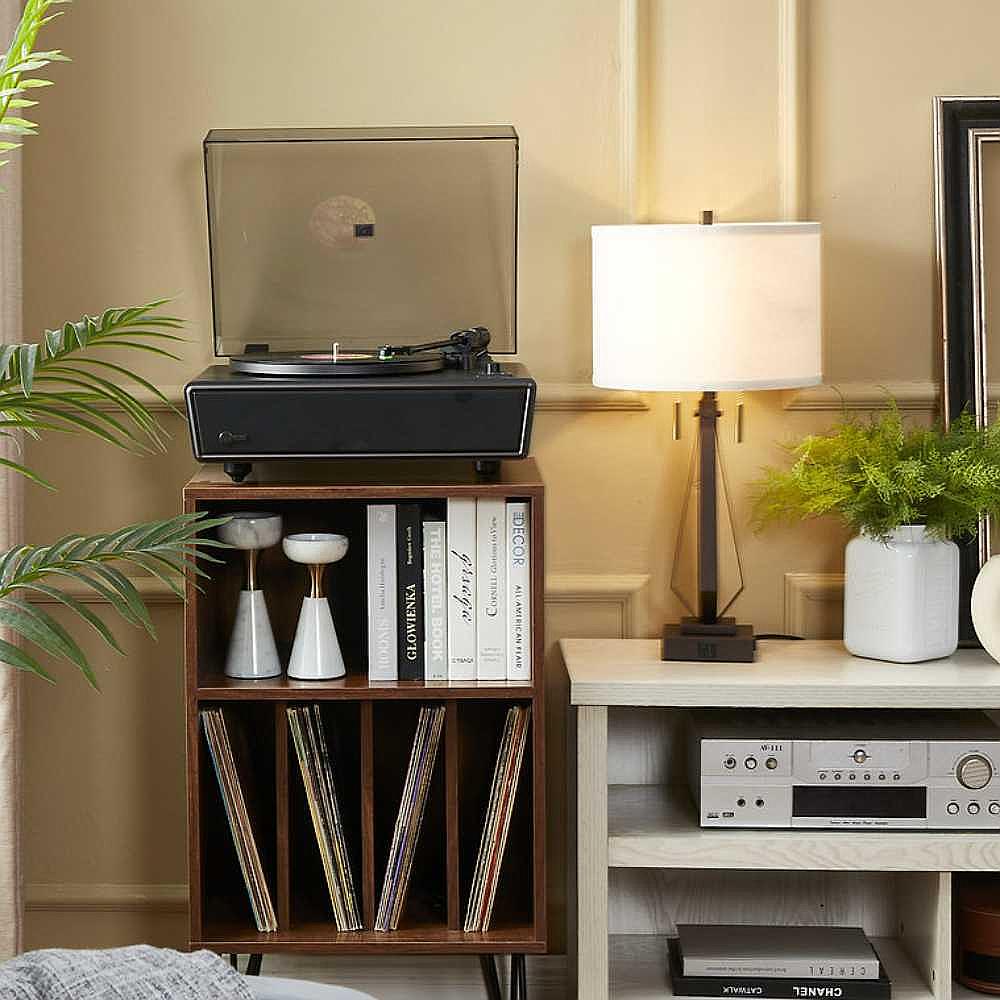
column 862, row 769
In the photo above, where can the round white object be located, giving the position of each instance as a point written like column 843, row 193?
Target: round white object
column 986, row 606
column 315, row 548
column 251, row 529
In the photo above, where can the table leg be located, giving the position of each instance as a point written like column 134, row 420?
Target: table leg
column 592, row 852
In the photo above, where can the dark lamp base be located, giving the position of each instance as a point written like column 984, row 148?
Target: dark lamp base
column 723, row 641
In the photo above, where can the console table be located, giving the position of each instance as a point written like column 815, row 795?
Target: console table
column 643, row 863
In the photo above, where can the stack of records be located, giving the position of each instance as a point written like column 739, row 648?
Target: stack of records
column 783, row 963
column 214, row 724
column 497, row 821
column 306, row 725
column 409, row 817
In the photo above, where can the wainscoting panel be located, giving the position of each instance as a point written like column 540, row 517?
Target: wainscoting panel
column 814, row 605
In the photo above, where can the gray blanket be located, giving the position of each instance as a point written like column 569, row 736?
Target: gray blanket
column 140, row 972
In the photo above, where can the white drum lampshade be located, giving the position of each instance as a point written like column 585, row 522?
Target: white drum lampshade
column 718, row 307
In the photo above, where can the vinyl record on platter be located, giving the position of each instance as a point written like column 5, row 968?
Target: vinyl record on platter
column 326, row 363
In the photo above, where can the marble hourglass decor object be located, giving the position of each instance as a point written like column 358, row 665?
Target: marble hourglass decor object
column 252, row 654
column 316, row 652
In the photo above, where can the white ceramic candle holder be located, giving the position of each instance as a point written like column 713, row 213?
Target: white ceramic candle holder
column 316, row 652
column 252, row 654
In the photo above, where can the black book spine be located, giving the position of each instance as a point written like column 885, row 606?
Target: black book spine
column 781, row 989
column 410, row 581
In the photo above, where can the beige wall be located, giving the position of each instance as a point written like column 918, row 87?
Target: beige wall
column 655, row 111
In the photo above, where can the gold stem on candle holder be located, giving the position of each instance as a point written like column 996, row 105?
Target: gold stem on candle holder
column 251, row 560
column 316, row 580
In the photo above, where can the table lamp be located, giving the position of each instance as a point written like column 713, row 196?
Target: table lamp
column 707, row 308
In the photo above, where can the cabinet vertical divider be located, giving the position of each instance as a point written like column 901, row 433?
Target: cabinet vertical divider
column 367, row 816
column 452, row 831
column 282, row 787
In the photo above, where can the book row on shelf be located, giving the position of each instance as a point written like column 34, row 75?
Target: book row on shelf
column 449, row 597
column 318, row 769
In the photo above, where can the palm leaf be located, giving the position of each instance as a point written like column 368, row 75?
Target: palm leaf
column 165, row 548
column 22, row 58
column 54, row 385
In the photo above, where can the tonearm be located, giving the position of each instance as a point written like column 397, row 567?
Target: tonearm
column 463, row 349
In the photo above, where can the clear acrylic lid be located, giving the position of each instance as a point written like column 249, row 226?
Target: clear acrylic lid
column 362, row 237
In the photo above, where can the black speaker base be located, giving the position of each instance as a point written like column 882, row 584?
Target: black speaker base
column 722, row 642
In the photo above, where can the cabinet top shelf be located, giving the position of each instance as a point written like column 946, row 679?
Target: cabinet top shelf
column 355, row 687
column 363, row 480
column 786, row 674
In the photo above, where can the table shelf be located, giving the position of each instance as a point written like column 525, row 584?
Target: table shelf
column 656, row 826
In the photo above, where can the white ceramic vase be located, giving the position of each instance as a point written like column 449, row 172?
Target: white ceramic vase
column 901, row 596
column 986, row 606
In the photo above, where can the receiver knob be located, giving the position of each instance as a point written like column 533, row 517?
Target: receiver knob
column 974, row 771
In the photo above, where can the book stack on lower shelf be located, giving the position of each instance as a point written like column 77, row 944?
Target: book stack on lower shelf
column 776, row 963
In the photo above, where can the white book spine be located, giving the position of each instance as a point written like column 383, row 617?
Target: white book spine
column 382, row 655
column 518, row 591
column 461, row 581
column 435, row 604
column 491, row 589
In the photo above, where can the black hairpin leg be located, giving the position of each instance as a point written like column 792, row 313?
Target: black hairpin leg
column 232, row 960
column 254, row 963
column 518, row 978
column 490, row 978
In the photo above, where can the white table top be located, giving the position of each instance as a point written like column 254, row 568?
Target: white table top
column 787, row 673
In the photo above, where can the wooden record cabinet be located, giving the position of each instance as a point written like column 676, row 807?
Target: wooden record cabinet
column 372, row 724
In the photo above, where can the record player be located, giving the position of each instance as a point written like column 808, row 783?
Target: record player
column 362, row 282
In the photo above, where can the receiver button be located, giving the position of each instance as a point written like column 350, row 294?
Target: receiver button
column 952, row 808
column 750, row 763
column 994, row 808
column 973, row 808
column 974, row 771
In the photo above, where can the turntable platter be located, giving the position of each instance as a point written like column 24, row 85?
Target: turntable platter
column 329, row 365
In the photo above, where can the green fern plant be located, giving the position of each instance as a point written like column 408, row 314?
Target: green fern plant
column 60, row 385
column 879, row 474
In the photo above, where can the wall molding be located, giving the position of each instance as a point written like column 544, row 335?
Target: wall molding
column 792, row 164
column 621, row 589
column 552, row 396
column 920, row 396
column 105, row 897
column 151, row 590
column 562, row 396
column 809, row 596
column 625, row 591
column 629, row 179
